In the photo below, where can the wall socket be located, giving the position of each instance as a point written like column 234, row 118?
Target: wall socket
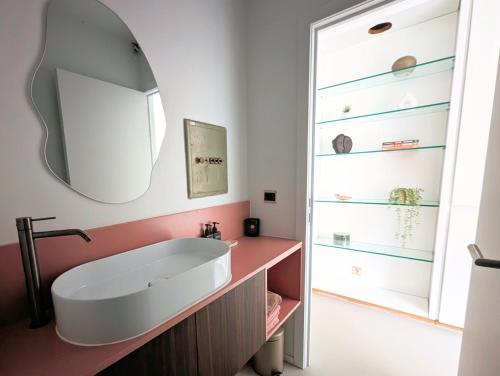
column 356, row 270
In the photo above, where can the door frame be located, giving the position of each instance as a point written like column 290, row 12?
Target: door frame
column 302, row 325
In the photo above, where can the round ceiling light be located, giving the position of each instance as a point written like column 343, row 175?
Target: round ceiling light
column 380, row 28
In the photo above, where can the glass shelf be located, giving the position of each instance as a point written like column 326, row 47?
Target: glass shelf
column 379, row 249
column 391, row 114
column 381, row 151
column 385, row 78
column 428, row 204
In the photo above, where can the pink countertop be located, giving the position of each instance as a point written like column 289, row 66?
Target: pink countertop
column 40, row 352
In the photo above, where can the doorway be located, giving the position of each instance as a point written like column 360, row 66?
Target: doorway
column 383, row 141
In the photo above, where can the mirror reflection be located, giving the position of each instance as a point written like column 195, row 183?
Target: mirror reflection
column 99, row 100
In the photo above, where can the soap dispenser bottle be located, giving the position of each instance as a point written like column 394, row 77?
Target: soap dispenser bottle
column 208, row 231
column 216, row 234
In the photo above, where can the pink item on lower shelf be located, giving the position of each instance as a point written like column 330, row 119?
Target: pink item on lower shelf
column 271, row 324
column 274, row 314
column 273, row 318
column 273, row 301
column 273, row 309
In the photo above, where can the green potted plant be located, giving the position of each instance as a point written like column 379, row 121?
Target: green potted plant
column 406, row 204
column 346, row 110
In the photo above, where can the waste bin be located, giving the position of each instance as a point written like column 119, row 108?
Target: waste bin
column 269, row 359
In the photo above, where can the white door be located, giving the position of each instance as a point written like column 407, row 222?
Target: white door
column 481, row 341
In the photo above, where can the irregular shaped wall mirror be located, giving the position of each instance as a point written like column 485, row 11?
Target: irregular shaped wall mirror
column 98, row 98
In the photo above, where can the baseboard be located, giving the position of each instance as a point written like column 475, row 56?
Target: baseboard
column 386, row 309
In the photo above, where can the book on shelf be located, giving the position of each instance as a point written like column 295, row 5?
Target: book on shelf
column 403, row 144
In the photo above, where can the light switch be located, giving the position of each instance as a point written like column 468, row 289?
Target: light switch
column 206, row 158
column 270, row 196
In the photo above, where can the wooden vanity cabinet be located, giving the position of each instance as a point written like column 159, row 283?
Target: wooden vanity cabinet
column 173, row 353
column 232, row 329
column 215, row 341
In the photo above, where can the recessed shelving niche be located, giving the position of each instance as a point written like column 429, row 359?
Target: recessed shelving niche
column 359, row 95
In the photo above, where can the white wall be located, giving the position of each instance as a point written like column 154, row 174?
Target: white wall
column 278, row 79
column 196, row 48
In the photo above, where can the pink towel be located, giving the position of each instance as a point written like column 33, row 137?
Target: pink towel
column 272, row 324
column 273, row 310
column 273, row 319
column 273, row 301
column 274, row 313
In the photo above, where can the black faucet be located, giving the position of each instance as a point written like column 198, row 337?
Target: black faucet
column 30, row 264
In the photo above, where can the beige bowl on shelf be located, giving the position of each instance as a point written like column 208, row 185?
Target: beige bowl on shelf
column 399, row 67
column 342, row 197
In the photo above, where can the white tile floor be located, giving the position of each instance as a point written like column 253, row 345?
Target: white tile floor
column 351, row 340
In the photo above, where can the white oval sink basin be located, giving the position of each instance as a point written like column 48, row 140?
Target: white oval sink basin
column 123, row 296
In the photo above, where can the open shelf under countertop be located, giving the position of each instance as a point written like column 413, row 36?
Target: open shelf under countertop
column 288, row 306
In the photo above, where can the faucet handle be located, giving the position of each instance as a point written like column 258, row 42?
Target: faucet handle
column 24, row 223
column 42, row 219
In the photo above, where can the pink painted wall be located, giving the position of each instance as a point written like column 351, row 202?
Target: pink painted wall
column 57, row 255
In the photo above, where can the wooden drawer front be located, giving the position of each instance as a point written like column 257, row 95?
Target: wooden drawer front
column 172, row 353
column 232, row 329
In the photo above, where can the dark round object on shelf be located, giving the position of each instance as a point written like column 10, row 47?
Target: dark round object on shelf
column 342, row 144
